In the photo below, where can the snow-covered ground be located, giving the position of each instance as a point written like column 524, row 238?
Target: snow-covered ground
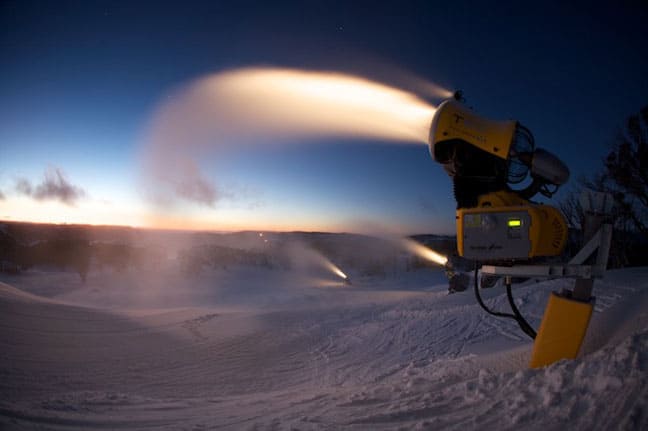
column 261, row 349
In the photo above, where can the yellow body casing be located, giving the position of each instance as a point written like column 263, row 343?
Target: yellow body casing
column 562, row 330
column 544, row 229
column 454, row 121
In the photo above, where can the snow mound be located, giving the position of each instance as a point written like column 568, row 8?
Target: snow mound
column 10, row 293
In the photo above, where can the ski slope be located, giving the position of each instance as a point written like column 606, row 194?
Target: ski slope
column 252, row 349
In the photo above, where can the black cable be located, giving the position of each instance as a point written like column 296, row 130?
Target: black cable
column 523, row 324
column 481, row 302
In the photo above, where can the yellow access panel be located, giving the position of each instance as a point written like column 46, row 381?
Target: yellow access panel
column 562, row 330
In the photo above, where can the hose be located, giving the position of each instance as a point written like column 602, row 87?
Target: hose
column 522, row 323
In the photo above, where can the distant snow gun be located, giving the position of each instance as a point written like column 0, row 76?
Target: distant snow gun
column 496, row 170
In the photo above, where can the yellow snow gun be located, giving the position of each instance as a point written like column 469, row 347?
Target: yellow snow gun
column 496, row 169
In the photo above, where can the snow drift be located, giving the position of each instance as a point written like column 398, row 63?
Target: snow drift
column 257, row 349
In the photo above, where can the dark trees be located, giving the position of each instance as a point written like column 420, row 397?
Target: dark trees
column 626, row 171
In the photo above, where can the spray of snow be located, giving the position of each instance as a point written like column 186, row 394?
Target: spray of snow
column 423, row 251
column 248, row 107
column 307, row 260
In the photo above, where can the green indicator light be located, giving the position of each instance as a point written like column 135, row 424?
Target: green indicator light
column 514, row 222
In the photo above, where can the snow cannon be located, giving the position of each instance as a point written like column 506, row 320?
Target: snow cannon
column 496, row 170
column 485, row 159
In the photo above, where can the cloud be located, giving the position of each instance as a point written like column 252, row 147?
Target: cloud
column 2, row 196
column 54, row 186
column 24, row 187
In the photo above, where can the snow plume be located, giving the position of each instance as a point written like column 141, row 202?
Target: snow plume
column 248, row 107
column 54, row 186
column 398, row 238
column 423, row 252
column 306, row 259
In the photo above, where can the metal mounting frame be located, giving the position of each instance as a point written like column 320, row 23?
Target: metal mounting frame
column 573, row 269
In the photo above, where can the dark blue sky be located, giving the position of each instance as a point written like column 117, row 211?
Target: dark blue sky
column 79, row 80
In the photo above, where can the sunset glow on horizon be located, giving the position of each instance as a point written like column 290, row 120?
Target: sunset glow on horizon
column 23, row 209
column 137, row 215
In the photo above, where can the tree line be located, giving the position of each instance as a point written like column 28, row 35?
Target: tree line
column 624, row 175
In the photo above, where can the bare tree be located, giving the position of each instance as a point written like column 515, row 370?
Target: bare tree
column 626, row 171
column 571, row 208
column 625, row 177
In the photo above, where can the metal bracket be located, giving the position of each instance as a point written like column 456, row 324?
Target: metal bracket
column 601, row 241
column 574, row 269
column 544, row 271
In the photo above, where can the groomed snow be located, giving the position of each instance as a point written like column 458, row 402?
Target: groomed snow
column 261, row 349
